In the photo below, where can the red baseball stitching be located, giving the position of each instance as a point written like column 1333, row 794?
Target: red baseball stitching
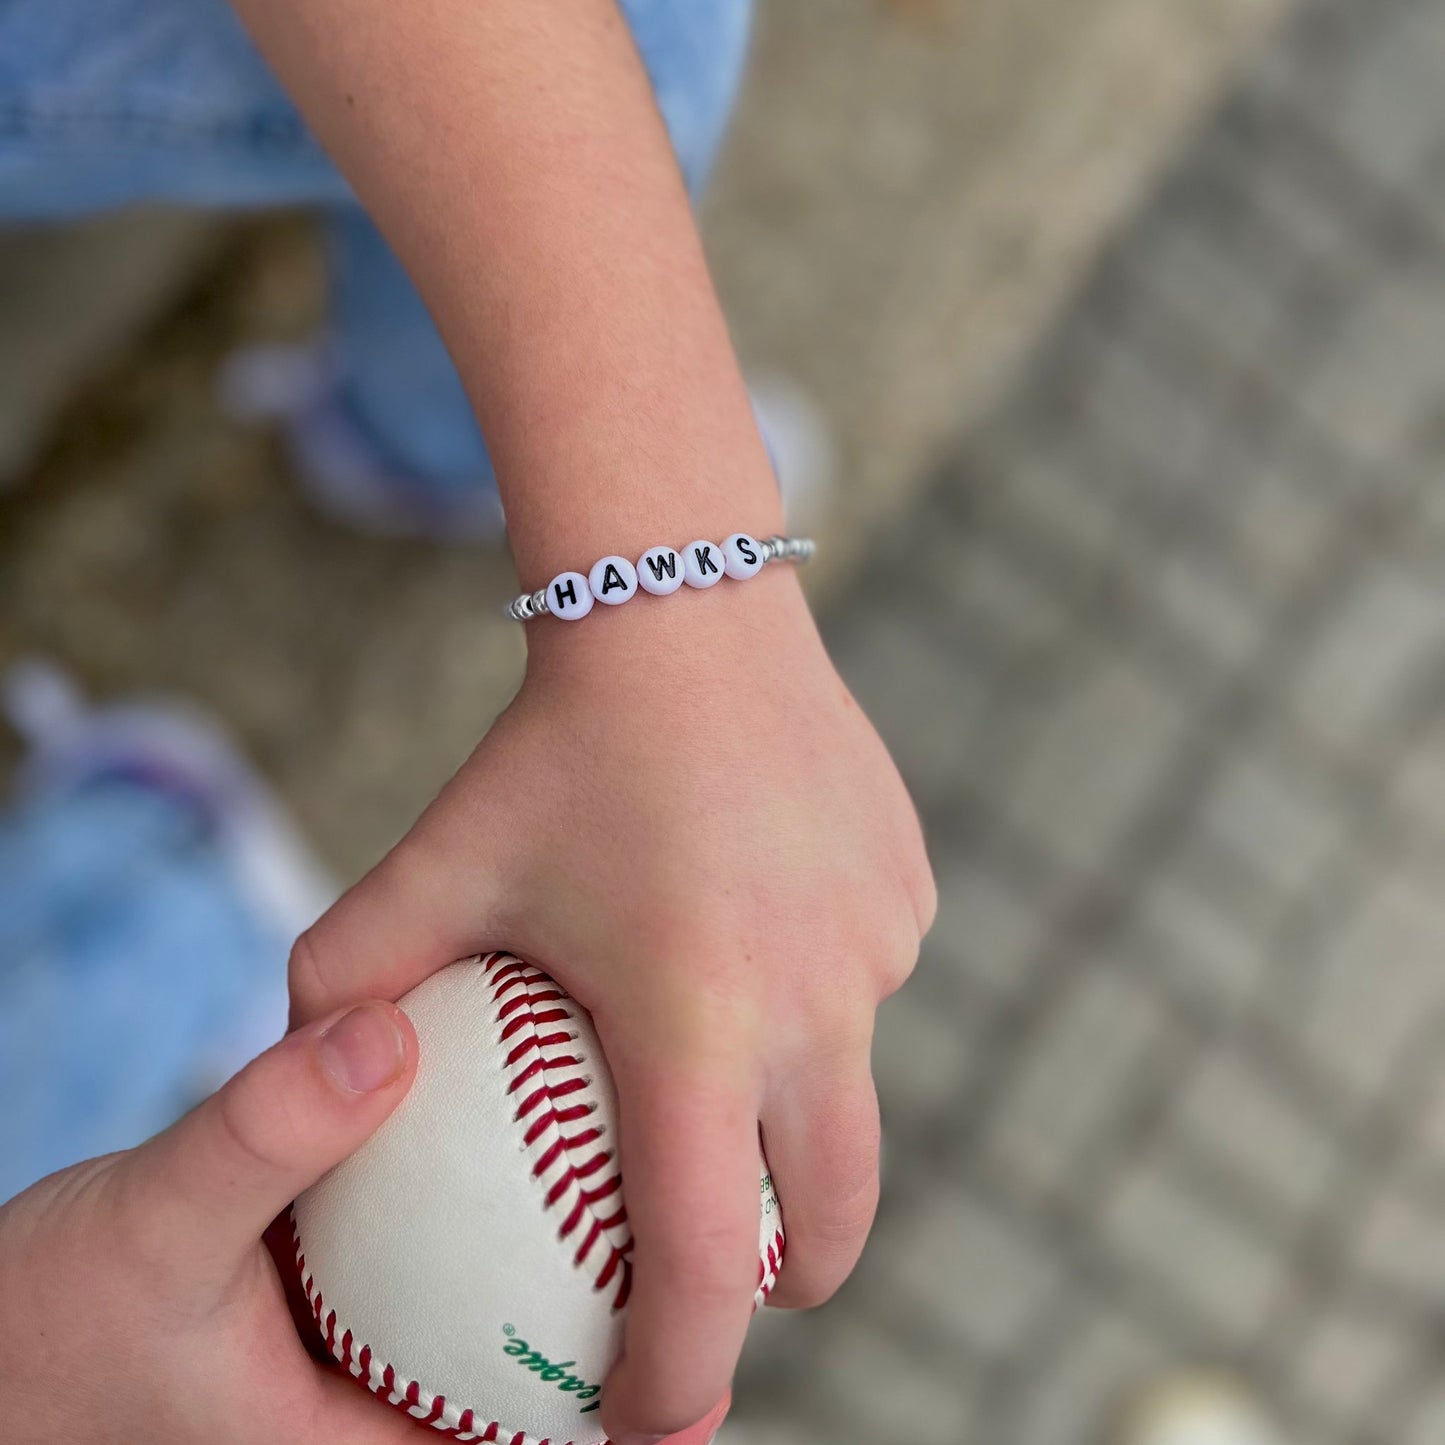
column 548, row 1080
column 533, row 1018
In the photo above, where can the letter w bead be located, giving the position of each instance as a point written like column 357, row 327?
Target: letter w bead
column 659, row 570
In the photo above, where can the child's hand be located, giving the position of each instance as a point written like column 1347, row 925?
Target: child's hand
column 687, row 820
column 139, row 1302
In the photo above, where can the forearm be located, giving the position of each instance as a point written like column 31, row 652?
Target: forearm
column 512, row 153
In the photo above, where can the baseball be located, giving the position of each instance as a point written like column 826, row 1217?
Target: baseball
column 470, row 1264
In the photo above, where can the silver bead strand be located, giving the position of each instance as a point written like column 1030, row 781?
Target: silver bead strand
column 792, row 549
column 528, row 605
column 787, row 549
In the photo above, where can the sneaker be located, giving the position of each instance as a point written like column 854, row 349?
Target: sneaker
column 337, row 464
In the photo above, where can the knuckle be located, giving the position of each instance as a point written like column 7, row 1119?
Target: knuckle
column 712, row 1272
column 114, row 1192
column 822, row 1253
column 896, row 953
column 896, row 967
column 712, row 1265
column 835, row 1220
column 842, row 1228
column 915, row 878
column 256, row 1123
column 926, row 902
column 305, row 976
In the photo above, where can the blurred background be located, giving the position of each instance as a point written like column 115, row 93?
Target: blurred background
column 1127, row 321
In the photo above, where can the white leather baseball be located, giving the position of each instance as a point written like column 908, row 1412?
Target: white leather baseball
column 470, row 1263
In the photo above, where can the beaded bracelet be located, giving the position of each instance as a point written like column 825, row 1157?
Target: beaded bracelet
column 660, row 571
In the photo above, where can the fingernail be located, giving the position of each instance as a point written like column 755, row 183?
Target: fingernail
column 362, row 1051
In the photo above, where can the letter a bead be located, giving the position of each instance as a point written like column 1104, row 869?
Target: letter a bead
column 568, row 596
column 744, row 556
column 659, row 571
column 702, row 564
column 613, row 580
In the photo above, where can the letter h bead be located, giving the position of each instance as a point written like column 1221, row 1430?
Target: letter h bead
column 568, row 596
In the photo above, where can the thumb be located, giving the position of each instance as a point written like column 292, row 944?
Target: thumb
column 213, row 1181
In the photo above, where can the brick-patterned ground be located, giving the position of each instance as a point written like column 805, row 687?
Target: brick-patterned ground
column 1164, row 660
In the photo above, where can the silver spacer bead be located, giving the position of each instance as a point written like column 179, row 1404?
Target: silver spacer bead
column 528, row 605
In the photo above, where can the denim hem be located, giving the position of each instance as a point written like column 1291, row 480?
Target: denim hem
column 276, row 132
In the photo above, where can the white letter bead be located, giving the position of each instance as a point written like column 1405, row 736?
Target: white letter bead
column 702, row 564
column 612, row 580
column 659, row 571
column 744, row 556
column 568, row 596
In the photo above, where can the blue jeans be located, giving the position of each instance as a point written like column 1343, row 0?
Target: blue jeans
column 104, row 103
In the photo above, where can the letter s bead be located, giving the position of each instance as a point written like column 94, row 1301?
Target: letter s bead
column 744, row 556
